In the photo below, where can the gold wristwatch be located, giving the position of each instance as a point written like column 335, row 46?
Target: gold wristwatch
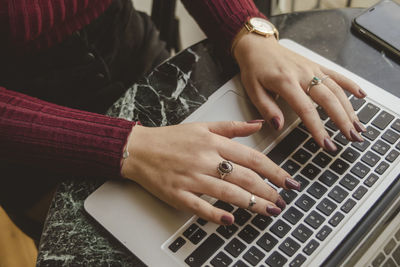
column 259, row 26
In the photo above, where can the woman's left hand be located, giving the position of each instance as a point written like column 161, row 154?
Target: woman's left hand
column 269, row 69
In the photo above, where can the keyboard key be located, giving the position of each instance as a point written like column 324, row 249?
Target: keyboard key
column 311, row 247
column 221, row 260
column 348, row 205
column 310, row 171
column 201, row 221
column 227, row 231
column 326, row 206
column 261, row 221
column 276, row 260
column 253, row 256
column 396, row 125
column 305, row 202
column 362, row 146
column 322, row 159
column 378, row 260
column 370, row 181
column 371, row 158
column 392, row 156
column 360, row 170
column 280, row 228
column 197, row 236
column 317, row 190
column 297, row 261
column 267, row 242
column 311, row 145
column 382, row 167
column 223, row 205
column 371, row 133
column 357, row 102
column 301, row 156
column 339, row 166
column 389, row 263
column 338, row 194
column 382, row 120
column 303, row 182
column 241, row 216
column 177, row 244
column 291, row 142
column 367, row 112
column 350, row 155
column 398, row 145
column 324, row 232
column 397, row 235
column 331, row 125
column 336, row 218
column 314, row 219
column 203, row 252
column 389, row 246
column 248, row 234
column 240, row 263
column 293, row 215
column 381, row 147
column 396, row 255
column 235, row 247
column 291, row 167
column 390, row 136
column 328, row 178
column 302, row 233
column 349, row 181
column 341, row 139
column 190, row 231
column 360, row 192
column 335, row 153
column 322, row 114
column 289, row 246
column 288, row 195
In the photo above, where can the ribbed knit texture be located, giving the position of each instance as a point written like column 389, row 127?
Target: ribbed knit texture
column 46, row 135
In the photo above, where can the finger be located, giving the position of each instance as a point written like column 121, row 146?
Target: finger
column 339, row 93
column 236, row 195
column 306, row 110
column 232, row 129
column 265, row 104
column 331, row 104
column 344, row 82
column 204, row 209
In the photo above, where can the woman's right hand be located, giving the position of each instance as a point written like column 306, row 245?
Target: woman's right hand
column 179, row 163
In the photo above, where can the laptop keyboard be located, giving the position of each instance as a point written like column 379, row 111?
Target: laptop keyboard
column 332, row 185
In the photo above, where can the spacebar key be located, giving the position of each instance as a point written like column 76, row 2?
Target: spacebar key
column 204, row 251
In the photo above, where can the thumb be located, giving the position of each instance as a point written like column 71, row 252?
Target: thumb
column 232, row 129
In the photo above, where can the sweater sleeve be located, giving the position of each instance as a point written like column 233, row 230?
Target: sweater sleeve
column 62, row 139
column 221, row 20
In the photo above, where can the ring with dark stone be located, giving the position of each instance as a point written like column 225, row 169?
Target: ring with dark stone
column 224, row 168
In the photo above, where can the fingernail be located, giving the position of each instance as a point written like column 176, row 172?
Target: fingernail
column 329, row 145
column 274, row 211
column 355, row 136
column 359, row 127
column 256, row 121
column 275, row 122
column 281, row 203
column 227, row 220
column 292, row 184
column 362, row 93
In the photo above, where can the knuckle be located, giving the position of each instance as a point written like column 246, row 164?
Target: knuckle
column 254, row 159
column 225, row 193
column 307, row 109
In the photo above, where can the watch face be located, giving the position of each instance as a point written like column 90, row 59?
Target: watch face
column 261, row 25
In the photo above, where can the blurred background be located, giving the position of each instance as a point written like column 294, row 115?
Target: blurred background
column 16, row 249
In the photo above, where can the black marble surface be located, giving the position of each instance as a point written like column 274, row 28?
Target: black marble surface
column 174, row 90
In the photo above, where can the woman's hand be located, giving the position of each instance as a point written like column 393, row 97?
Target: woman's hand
column 179, row 163
column 269, row 69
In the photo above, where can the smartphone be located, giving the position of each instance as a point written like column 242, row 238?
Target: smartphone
column 381, row 25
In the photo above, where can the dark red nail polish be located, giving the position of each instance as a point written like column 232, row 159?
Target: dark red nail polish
column 275, row 122
column 329, row 145
column 281, row 203
column 359, row 127
column 227, row 220
column 256, row 121
column 274, row 211
column 355, row 136
column 362, row 93
column 292, row 184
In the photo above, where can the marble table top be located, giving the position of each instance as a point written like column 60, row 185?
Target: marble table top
column 169, row 94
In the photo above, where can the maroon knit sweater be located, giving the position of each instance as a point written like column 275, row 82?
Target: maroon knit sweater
column 69, row 140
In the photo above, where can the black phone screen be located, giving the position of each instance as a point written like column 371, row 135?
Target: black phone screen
column 382, row 21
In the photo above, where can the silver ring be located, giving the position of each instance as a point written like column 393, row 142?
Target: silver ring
column 315, row 81
column 252, row 201
column 224, row 168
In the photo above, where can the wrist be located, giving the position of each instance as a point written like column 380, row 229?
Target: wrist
column 252, row 43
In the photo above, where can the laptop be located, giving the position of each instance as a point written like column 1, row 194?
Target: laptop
column 347, row 212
